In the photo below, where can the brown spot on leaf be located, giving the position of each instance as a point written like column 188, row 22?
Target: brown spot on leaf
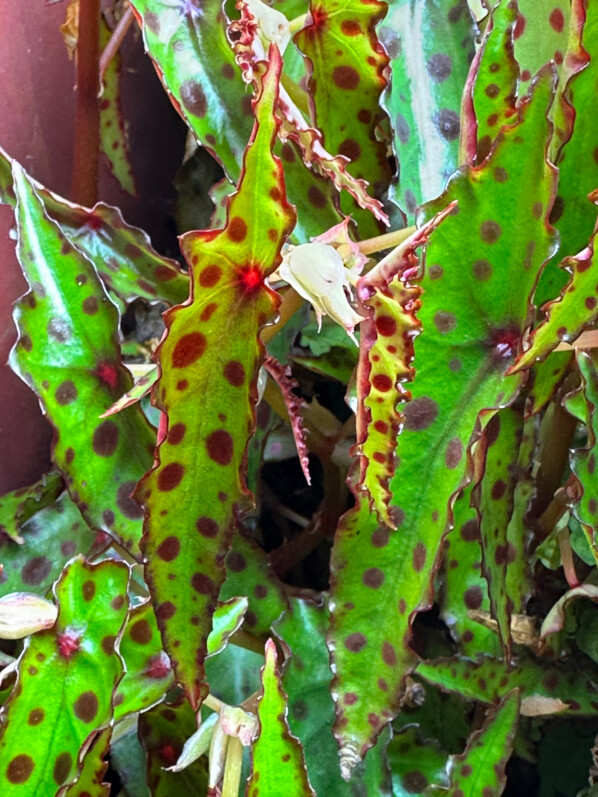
column 169, row 549
column 86, row 706
column 19, row 769
column 219, row 445
column 355, row 642
column 193, row 98
column 105, row 439
column 188, row 349
column 420, row 414
column 141, row 633
column 170, row 476
column 345, row 77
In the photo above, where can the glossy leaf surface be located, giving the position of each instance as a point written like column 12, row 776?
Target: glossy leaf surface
column 51, row 537
column 430, row 43
column 18, row 506
column 201, row 455
column 472, row 318
column 347, row 61
column 307, row 680
column 277, row 755
column 68, row 353
column 66, row 680
column 481, row 768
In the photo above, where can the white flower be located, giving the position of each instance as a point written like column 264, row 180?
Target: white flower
column 316, row 271
column 22, row 613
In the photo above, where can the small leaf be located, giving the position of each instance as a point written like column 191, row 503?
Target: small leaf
column 570, row 313
column 113, row 134
column 227, row 618
column 51, row 537
column 19, row 505
column 140, row 389
column 277, row 756
column 489, row 680
column 415, row 764
column 66, row 680
column 481, row 768
column 148, row 672
column 90, row 781
column 555, row 619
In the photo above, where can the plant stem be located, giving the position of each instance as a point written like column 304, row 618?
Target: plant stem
column 291, row 302
column 214, row 703
column 567, row 558
column 84, row 188
column 387, row 241
column 232, row 768
column 297, row 23
column 118, row 34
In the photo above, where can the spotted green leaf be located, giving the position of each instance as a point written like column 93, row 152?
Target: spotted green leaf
column 346, row 64
column 415, row 764
column 430, row 43
column 51, row 537
column 163, row 732
column 494, row 93
column 90, row 781
column 202, row 453
column 481, row 768
column 496, row 500
column 567, row 316
column 277, row 756
column 248, row 573
column 573, row 213
column 466, row 589
column 68, row 352
column 188, row 43
column 18, row 506
column 113, row 135
column 474, row 311
column 545, row 377
column 583, row 460
column 489, row 680
column 66, row 680
column 148, row 674
column 123, row 255
column 306, row 681
column 541, row 34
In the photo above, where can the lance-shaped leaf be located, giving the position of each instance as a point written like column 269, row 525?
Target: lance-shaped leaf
column 431, row 44
column 494, row 73
column 123, row 255
column 277, row 756
column 415, row 764
column 201, row 457
column 503, row 435
column 248, row 573
column 386, row 355
column 545, row 377
column 90, row 781
column 66, row 680
column 188, row 45
column 474, row 311
column 346, row 65
column 488, row 680
column 573, row 213
column 583, row 460
column 51, row 537
column 306, row 681
column 148, row 674
column 481, row 768
column 163, row 732
column 113, row 135
column 68, row 352
column 19, row 505
column 249, row 51
column 465, row 588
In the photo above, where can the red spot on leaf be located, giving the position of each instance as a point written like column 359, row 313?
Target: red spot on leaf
column 350, row 28
column 188, row 349
column 219, row 445
column 68, row 643
column 210, row 276
column 237, row 229
column 107, row 373
column 170, row 476
column 557, row 20
column 234, row 372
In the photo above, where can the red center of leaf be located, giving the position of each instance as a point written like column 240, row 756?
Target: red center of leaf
column 68, row 643
column 505, row 342
column 107, row 373
column 251, row 279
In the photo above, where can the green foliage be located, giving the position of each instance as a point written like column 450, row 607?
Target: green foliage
column 424, row 611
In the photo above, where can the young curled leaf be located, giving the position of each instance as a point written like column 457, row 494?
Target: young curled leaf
column 196, row 745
